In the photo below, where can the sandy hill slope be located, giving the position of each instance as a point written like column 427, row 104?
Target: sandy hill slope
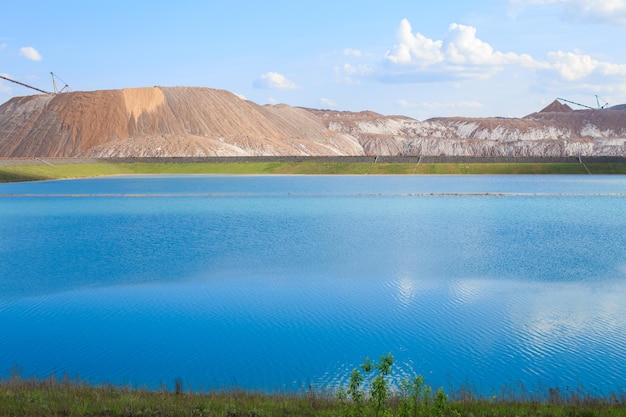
column 198, row 121
column 175, row 121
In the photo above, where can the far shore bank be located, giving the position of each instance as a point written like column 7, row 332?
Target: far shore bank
column 322, row 159
column 33, row 169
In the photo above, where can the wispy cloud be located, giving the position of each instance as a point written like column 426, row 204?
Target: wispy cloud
column 328, row 102
column 598, row 11
column 30, row 53
column 407, row 104
column 274, row 80
column 352, row 52
column 457, row 105
column 438, row 105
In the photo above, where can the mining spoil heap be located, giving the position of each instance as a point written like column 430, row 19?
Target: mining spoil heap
column 203, row 122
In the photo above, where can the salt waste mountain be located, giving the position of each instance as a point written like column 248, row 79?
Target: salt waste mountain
column 204, row 122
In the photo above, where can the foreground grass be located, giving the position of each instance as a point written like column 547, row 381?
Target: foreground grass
column 52, row 397
column 48, row 172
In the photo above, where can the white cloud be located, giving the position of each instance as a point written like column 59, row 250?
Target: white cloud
column 438, row 106
column 460, row 104
column 407, row 104
column 462, row 46
column 352, row 52
column 362, row 69
column 349, row 69
column 328, row 102
column 517, row 7
column 610, row 11
column 351, row 74
column 575, row 66
column 572, row 66
column 602, row 11
column 461, row 55
column 30, row 53
column 415, row 48
column 274, row 80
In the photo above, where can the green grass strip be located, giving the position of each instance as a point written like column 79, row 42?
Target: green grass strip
column 13, row 173
column 53, row 397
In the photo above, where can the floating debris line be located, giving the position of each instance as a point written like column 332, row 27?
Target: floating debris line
column 304, row 195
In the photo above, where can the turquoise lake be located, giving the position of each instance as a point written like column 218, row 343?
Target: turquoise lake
column 285, row 282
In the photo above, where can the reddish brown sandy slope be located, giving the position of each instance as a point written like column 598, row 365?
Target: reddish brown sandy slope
column 197, row 121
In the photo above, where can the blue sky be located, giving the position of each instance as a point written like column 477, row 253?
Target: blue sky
column 415, row 58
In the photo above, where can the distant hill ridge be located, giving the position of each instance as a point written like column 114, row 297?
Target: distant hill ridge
column 556, row 106
column 200, row 122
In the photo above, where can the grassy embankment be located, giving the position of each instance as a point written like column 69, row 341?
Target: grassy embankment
column 53, row 397
column 11, row 173
column 368, row 393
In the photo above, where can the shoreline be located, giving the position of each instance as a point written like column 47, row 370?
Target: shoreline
column 320, row 159
column 37, row 169
column 66, row 396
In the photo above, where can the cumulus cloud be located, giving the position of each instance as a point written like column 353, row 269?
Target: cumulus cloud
column 602, row 11
column 573, row 66
column 462, row 55
column 30, row 53
column 415, row 48
column 274, row 80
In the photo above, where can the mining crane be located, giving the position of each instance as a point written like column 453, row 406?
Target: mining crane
column 585, row 106
column 25, row 85
column 54, row 84
column 598, row 101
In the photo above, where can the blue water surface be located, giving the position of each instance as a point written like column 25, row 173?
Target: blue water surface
column 285, row 282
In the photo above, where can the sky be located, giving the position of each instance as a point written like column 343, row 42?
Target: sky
column 422, row 59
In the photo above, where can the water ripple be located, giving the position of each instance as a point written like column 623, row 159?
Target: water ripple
column 303, row 195
column 273, row 286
